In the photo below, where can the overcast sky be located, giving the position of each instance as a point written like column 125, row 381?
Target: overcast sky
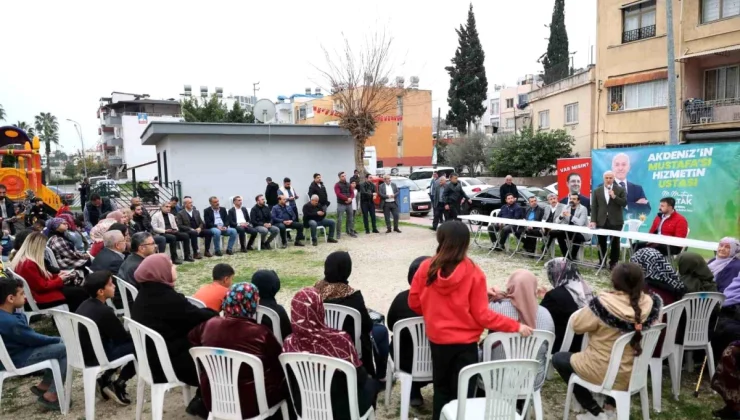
column 61, row 57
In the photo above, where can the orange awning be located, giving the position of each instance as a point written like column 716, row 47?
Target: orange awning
column 636, row 78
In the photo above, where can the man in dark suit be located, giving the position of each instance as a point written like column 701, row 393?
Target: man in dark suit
column 217, row 221
column 142, row 246
column 437, row 194
column 189, row 221
column 607, row 209
column 239, row 220
column 111, row 257
column 637, row 203
column 534, row 213
column 508, row 188
column 574, row 187
column 388, row 192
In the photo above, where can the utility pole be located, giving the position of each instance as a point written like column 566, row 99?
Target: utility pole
column 436, row 144
column 255, row 89
column 672, row 118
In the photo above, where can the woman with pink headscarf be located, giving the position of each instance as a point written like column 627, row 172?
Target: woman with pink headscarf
column 726, row 266
column 160, row 307
column 97, row 232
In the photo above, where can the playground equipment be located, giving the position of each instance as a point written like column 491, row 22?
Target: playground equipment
column 26, row 179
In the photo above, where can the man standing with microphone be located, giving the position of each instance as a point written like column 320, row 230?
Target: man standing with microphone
column 607, row 207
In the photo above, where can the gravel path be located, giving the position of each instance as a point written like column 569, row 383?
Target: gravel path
column 380, row 266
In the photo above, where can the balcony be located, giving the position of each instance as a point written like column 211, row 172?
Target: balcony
column 721, row 113
column 638, row 34
column 110, row 120
column 115, row 160
column 111, row 140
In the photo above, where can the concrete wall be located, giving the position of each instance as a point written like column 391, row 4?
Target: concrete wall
column 134, row 153
column 224, row 166
column 541, row 181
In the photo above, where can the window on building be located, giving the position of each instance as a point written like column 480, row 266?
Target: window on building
column 712, row 10
column 302, row 112
column 510, row 103
column 639, row 21
column 722, row 83
column 544, row 119
column 522, row 99
column 494, row 107
column 510, row 122
column 338, row 106
column 638, row 96
column 309, row 111
column 571, row 113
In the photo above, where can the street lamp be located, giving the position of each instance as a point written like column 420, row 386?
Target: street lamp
column 78, row 127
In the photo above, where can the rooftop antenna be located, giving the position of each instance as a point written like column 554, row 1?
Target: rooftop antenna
column 264, row 111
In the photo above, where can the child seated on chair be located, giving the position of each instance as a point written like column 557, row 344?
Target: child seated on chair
column 609, row 316
column 116, row 341
column 213, row 294
column 24, row 345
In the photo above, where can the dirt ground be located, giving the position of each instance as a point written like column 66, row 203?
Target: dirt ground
column 379, row 284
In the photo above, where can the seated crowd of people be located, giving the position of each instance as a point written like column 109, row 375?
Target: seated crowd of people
column 448, row 290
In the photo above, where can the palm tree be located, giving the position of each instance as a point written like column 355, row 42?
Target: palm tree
column 25, row 127
column 2, row 113
column 47, row 128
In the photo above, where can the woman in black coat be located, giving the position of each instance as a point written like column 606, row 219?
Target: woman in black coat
column 399, row 311
column 569, row 294
column 268, row 285
column 334, row 288
column 159, row 307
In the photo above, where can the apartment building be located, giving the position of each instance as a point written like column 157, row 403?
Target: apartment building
column 567, row 105
column 514, row 113
column 123, row 118
column 401, row 138
column 631, row 71
column 491, row 120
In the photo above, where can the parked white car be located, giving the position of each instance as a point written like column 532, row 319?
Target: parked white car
column 423, row 176
column 553, row 188
column 473, row 186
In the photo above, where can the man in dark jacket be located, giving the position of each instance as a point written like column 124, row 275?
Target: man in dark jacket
column 7, row 209
column 508, row 188
column 189, row 221
column 261, row 219
column 534, row 213
column 367, row 204
column 315, row 216
column 142, row 246
column 317, row 188
column 453, row 195
column 271, row 192
column 355, row 178
column 111, row 257
column 97, row 209
column 239, row 220
column 117, row 342
column 84, row 192
column 345, row 195
column 510, row 211
column 36, row 212
column 142, row 222
column 217, row 221
column 608, row 201
column 388, row 192
column 437, row 192
column 283, row 217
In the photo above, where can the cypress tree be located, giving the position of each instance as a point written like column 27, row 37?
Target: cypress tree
column 468, row 83
column 557, row 60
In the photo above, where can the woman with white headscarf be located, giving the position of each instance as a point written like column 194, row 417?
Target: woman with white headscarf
column 726, row 265
column 569, row 294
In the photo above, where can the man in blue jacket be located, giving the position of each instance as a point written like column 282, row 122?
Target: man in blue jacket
column 511, row 210
column 283, row 217
column 27, row 347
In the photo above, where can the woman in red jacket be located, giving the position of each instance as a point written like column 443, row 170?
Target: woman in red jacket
column 48, row 290
column 450, row 291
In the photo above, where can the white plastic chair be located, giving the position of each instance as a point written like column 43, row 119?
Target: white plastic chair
column 334, row 316
column 68, row 325
column 222, row 367
column 126, row 288
column 262, row 312
column 196, row 302
column 699, row 308
column 638, row 378
column 139, row 334
column 568, row 341
column 630, row 225
column 313, row 375
column 11, row 371
column 669, row 351
column 515, row 346
column 421, row 365
column 31, row 301
column 504, row 382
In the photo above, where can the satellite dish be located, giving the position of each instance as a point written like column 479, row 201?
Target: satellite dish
column 264, row 110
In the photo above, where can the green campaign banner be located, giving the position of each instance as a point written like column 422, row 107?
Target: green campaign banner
column 704, row 179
